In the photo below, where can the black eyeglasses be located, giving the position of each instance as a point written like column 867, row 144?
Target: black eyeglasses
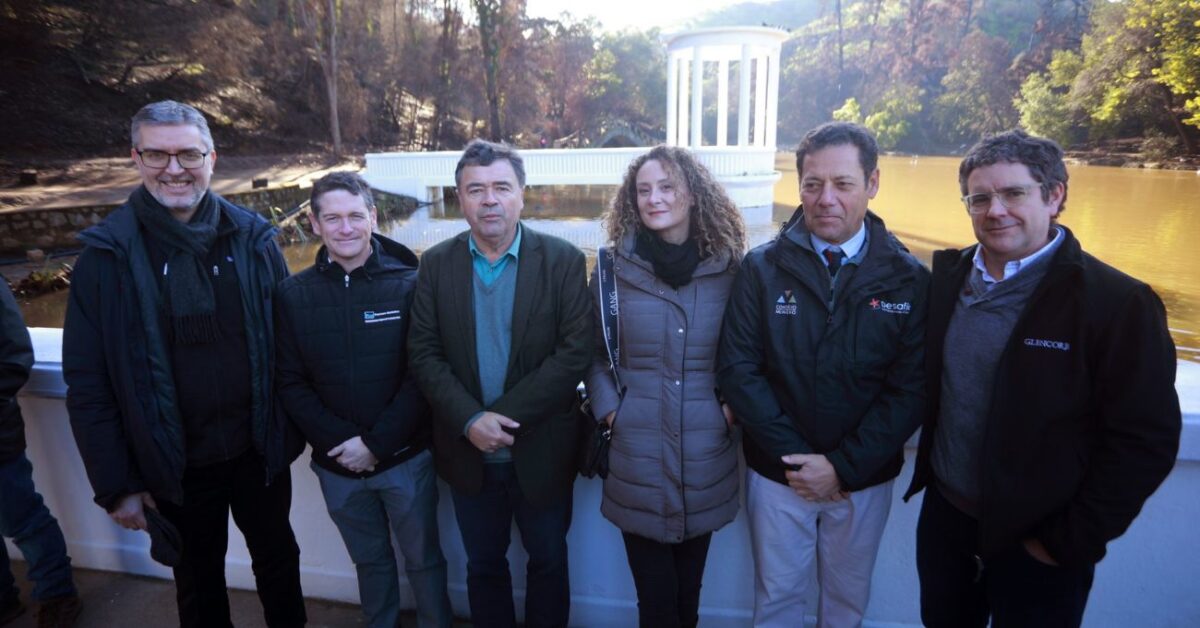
column 190, row 158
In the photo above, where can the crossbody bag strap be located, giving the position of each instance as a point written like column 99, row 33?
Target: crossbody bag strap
column 609, row 309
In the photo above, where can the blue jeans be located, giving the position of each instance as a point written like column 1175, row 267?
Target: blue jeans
column 485, row 520
column 401, row 501
column 27, row 521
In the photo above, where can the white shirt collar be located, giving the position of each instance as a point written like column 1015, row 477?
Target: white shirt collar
column 1015, row 266
column 849, row 248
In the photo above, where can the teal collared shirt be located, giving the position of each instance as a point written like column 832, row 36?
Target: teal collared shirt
column 488, row 271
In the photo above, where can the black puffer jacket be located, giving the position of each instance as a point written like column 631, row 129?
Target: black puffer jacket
column 343, row 357
column 16, row 358
column 845, row 381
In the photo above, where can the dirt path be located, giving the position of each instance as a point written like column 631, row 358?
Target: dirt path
column 63, row 183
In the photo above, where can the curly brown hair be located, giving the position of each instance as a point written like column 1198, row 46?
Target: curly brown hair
column 716, row 223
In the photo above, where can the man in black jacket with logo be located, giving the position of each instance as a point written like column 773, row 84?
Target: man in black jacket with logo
column 168, row 351
column 820, row 359
column 1052, row 407
column 343, row 379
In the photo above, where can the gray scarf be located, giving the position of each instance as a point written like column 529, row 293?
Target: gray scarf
column 190, row 302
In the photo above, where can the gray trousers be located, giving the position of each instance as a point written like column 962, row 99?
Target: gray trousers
column 400, row 502
column 790, row 536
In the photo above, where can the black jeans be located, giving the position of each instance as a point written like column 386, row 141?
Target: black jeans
column 667, row 577
column 485, row 521
column 210, row 493
column 958, row 589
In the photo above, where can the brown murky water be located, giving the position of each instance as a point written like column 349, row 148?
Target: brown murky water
column 1141, row 221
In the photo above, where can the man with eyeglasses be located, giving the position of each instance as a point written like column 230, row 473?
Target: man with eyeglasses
column 1052, row 408
column 168, row 357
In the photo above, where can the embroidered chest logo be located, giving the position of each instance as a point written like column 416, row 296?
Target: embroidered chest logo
column 1047, row 344
column 786, row 304
column 371, row 316
column 887, row 307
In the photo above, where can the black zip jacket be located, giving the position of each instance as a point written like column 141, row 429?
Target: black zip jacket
column 845, row 380
column 1084, row 423
column 16, row 359
column 120, row 391
column 343, row 357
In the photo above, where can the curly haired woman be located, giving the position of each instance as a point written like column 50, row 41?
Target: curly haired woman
column 673, row 479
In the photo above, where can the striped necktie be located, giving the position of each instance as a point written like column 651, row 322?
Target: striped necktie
column 833, row 257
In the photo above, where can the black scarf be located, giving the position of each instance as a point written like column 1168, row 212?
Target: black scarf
column 673, row 263
column 190, row 302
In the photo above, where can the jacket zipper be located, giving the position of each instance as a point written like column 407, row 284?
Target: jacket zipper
column 349, row 335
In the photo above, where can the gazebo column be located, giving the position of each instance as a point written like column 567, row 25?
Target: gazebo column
column 672, row 99
column 760, row 101
column 723, row 102
column 697, row 98
column 772, row 97
column 744, row 98
column 682, row 83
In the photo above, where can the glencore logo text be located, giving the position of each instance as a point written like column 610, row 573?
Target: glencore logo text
column 1048, row 344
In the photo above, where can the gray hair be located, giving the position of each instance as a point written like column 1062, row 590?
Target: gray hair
column 169, row 112
column 482, row 153
column 1043, row 157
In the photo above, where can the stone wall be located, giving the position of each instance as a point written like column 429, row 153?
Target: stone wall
column 56, row 229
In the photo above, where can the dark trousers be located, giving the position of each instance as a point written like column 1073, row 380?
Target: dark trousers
column 959, row 589
column 210, row 493
column 667, row 577
column 485, row 520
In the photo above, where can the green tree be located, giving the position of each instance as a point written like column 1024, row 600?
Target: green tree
column 978, row 90
column 849, row 112
column 1177, row 26
column 1140, row 71
column 895, row 115
column 1044, row 102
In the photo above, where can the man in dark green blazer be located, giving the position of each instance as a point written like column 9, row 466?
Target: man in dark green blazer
column 499, row 339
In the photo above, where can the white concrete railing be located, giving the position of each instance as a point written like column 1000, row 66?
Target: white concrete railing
column 1148, row 579
column 748, row 173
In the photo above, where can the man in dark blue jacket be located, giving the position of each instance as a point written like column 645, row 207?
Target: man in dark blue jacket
column 343, row 379
column 1052, row 405
column 820, row 359
column 168, row 354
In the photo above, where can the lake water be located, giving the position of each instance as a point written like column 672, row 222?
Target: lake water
column 1140, row 221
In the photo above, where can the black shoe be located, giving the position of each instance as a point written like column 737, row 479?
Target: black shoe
column 10, row 609
column 59, row 612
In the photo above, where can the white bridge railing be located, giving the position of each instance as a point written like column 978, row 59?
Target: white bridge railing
column 748, row 173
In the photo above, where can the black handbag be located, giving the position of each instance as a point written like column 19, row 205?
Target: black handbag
column 595, row 433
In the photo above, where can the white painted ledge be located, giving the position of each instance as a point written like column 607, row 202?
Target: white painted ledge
column 1148, row 578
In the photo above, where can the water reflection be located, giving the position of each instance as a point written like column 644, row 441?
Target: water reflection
column 1139, row 221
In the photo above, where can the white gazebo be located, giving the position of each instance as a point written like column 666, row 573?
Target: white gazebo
column 746, row 166
column 753, row 52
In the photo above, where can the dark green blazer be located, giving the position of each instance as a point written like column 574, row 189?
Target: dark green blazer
column 551, row 352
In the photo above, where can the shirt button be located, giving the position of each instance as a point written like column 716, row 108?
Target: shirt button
column 681, row 330
column 676, row 382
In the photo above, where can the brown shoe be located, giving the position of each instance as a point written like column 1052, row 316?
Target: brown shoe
column 59, row 612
